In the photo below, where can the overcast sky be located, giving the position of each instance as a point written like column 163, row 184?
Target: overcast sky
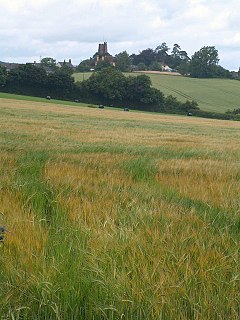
column 30, row 29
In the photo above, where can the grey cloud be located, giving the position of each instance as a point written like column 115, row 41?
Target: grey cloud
column 59, row 29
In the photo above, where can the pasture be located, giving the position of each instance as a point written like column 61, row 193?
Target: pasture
column 216, row 95
column 117, row 215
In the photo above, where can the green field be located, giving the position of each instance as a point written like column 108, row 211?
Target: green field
column 217, row 95
column 37, row 99
column 115, row 215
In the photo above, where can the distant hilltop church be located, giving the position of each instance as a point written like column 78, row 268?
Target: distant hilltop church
column 103, row 55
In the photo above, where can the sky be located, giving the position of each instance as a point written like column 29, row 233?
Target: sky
column 33, row 29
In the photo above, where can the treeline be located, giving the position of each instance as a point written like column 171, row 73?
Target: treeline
column 202, row 64
column 111, row 87
column 108, row 86
column 155, row 59
column 32, row 80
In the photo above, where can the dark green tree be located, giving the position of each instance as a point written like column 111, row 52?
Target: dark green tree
column 175, row 58
column 178, row 57
column 184, row 56
column 107, row 85
column 221, row 72
column 161, row 52
column 203, row 63
column 102, row 65
column 155, row 66
column 123, row 61
column 112, row 87
column 140, row 94
column 183, row 67
column 85, row 65
column 176, row 50
column 27, row 79
column 66, row 69
column 3, row 76
column 60, row 84
column 48, row 62
column 146, row 56
column 141, row 67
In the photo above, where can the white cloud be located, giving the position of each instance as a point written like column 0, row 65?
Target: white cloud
column 73, row 29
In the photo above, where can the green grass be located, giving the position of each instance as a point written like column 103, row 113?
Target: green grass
column 217, row 95
column 80, row 76
column 116, row 215
column 37, row 99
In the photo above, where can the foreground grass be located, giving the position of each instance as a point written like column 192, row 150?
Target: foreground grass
column 216, row 95
column 117, row 215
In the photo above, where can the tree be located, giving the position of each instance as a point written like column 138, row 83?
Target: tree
column 3, row 75
column 123, row 61
column 111, row 86
column 66, row 69
column 85, row 65
column 146, row 56
column 48, row 62
column 140, row 95
column 102, row 65
column 178, row 57
column 176, row 50
column 27, row 79
column 220, row 72
column 161, row 52
column 142, row 67
column 203, row 63
column 155, row 66
column 137, row 87
column 183, row 55
column 60, row 84
column 106, row 85
column 175, row 59
column 183, row 68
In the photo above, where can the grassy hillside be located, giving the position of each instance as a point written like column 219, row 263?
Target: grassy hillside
column 37, row 99
column 218, row 95
column 116, row 215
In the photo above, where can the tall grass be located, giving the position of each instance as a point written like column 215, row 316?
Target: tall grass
column 117, row 216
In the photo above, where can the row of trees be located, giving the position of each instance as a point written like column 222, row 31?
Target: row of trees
column 111, row 87
column 160, row 55
column 203, row 63
column 108, row 86
column 29, row 79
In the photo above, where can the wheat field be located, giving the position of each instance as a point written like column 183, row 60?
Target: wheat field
column 117, row 215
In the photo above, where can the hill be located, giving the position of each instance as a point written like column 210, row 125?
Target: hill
column 216, row 95
column 117, row 215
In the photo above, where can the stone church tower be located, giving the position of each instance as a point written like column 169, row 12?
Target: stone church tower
column 103, row 54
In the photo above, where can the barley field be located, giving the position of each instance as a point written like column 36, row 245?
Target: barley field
column 117, row 215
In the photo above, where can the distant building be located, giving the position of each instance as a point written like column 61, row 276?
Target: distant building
column 48, row 69
column 9, row 66
column 67, row 64
column 166, row 68
column 235, row 74
column 103, row 55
